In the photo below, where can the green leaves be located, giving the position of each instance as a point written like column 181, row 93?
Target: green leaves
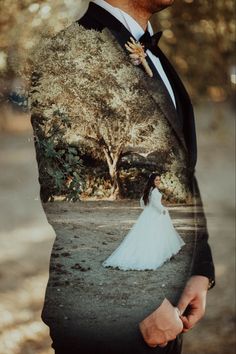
column 60, row 167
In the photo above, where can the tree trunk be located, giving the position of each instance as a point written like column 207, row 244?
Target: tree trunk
column 115, row 191
column 112, row 162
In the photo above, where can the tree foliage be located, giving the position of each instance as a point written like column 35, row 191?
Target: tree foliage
column 85, row 76
column 60, row 168
column 199, row 37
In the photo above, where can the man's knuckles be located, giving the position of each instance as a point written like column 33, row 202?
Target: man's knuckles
column 151, row 334
column 162, row 345
column 153, row 341
column 171, row 335
column 151, row 344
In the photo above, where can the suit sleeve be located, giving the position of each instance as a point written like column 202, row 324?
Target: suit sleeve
column 203, row 262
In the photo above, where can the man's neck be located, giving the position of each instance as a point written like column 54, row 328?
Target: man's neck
column 138, row 13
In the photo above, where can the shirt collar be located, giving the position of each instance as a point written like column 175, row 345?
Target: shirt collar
column 128, row 21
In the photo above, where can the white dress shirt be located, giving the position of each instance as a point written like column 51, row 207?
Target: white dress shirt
column 137, row 31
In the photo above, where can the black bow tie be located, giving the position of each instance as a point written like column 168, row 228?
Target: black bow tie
column 150, row 42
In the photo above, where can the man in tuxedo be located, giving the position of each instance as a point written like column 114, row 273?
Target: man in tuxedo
column 132, row 16
column 162, row 330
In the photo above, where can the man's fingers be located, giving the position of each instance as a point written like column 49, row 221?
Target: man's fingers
column 163, row 345
column 194, row 318
column 186, row 323
column 190, row 320
column 183, row 302
column 152, row 345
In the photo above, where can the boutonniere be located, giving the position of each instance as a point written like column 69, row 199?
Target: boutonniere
column 138, row 55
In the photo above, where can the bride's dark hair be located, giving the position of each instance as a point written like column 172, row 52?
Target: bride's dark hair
column 148, row 186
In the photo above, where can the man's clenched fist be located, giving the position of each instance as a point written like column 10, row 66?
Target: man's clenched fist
column 162, row 325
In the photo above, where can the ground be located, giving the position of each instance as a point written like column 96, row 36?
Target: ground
column 87, row 233
column 27, row 238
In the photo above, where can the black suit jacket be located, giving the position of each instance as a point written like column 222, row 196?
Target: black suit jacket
column 98, row 18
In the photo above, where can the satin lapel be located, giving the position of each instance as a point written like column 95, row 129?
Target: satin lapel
column 156, row 88
column 159, row 92
column 183, row 100
column 98, row 18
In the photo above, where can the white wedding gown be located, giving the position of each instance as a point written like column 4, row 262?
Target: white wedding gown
column 150, row 242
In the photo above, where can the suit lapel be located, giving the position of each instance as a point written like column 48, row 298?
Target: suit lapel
column 184, row 107
column 156, row 87
column 98, row 18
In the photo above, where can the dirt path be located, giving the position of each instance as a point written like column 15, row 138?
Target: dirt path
column 25, row 243
column 87, row 233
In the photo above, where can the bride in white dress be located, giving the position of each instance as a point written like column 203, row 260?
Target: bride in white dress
column 152, row 240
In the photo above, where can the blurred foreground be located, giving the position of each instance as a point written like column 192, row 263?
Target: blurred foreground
column 26, row 238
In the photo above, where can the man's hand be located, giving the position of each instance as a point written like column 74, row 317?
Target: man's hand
column 162, row 325
column 192, row 302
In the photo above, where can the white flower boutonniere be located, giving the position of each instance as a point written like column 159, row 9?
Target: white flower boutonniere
column 138, row 55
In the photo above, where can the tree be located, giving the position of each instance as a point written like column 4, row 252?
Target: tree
column 113, row 138
column 100, row 94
